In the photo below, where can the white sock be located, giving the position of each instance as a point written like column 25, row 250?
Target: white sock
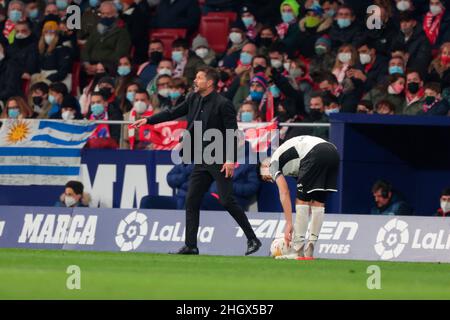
column 317, row 214
column 301, row 224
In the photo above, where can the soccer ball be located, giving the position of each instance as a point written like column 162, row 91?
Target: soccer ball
column 279, row 248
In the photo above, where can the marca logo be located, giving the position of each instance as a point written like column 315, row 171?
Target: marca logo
column 131, row 231
column 2, row 226
column 177, row 234
column 58, row 229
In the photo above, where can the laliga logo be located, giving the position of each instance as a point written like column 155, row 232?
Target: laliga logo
column 131, row 231
column 391, row 239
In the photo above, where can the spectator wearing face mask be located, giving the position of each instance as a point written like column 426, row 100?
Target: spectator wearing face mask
column 345, row 29
column 89, row 20
column 393, row 91
column 248, row 112
column 54, row 57
column 147, row 71
column 345, row 60
column 433, row 104
column 412, row 38
column 17, row 108
column 178, row 89
column 252, row 27
column 33, row 10
column 444, row 209
column 125, row 75
column 38, row 99
column 16, row 13
column 133, row 138
column 439, row 69
column 165, row 68
column 186, row 62
column 262, row 97
column 323, row 60
column 436, row 23
column 108, row 42
column 201, row 48
column 57, row 92
column 266, row 39
column 101, row 70
column 396, row 65
column 24, row 50
column 70, row 109
column 414, row 93
column 300, row 80
column 160, row 100
column 10, row 74
column 382, row 37
column 105, row 136
column 127, row 99
column 237, row 40
column 289, row 31
column 73, row 196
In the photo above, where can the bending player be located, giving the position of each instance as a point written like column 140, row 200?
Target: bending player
column 315, row 163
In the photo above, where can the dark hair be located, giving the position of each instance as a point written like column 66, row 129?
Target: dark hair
column 76, row 186
column 41, row 86
column 385, row 103
column 260, row 56
column 413, row 70
column 445, row 192
column 142, row 91
column 366, row 103
column 384, row 186
column 277, row 47
column 269, row 27
column 330, row 1
column 365, row 42
column 344, row 6
column 156, row 41
column 180, row 42
column 211, row 74
column 328, row 99
column 179, row 83
column 435, row 86
column 59, row 87
column 406, row 16
column 98, row 93
column 317, row 94
column 327, row 76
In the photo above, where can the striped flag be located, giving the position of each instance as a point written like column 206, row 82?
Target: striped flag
column 41, row 152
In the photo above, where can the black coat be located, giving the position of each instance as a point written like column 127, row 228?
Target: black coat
column 418, row 47
column 26, row 54
column 10, row 79
column 138, row 26
column 377, row 74
column 439, row 109
column 60, row 60
column 352, row 35
column 179, row 14
column 382, row 38
column 215, row 112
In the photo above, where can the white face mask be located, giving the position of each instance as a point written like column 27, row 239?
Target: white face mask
column 275, row 63
column 67, row 115
column 69, row 201
column 140, row 106
column 164, row 92
column 165, row 71
column 286, row 66
column 403, row 5
column 445, row 206
column 2, row 56
column 344, row 57
column 364, row 58
column 49, row 38
column 435, row 9
column 202, row 52
column 235, row 37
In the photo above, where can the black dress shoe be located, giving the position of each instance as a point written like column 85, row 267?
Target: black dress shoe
column 253, row 246
column 187, row 250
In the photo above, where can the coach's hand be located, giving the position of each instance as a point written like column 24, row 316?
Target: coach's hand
column 139, row 123
column 288, row 233
column 229, row 169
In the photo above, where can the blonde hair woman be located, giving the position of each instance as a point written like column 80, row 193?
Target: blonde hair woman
column 346, row 57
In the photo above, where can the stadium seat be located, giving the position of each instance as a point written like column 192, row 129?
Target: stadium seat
column 215, row 30
column 167, row 36
column 75, row 78
column 232, row 16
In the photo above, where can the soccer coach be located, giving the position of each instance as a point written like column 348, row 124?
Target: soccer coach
column 212, row 111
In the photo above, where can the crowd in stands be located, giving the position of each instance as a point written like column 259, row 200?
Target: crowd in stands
column 285, row 61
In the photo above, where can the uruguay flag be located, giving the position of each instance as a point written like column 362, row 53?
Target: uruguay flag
column 41, row 152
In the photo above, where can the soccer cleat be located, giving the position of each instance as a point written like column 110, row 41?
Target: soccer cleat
column 253, row 246
column 187, row 250
column 291, row 256
column 309, row 250
column 304, row 258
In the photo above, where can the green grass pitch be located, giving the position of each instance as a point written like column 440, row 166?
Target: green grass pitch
column 41, row 274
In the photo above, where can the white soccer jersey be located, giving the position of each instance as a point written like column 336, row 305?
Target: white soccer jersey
column 287, row 158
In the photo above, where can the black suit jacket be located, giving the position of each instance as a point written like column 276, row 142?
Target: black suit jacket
column 214, row 112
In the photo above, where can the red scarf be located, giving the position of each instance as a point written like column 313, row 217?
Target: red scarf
column 282, row 29
column 270, row 108
column 410, row 99
column 431, row 26
column 131, row 130
column 102, row 130
column 9, row 27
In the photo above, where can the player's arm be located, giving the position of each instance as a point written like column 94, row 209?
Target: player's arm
column 285, row 199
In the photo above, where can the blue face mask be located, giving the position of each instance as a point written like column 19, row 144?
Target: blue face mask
column 61, row 4
column 331, row 111
column 247, row 116
column 331, row 13
column 51, row 99
column 123, row 70
column 287, row 17
column 118, row 5
column 13, row 113
column 130, row 96
column 344, row 23
column 15, row 15
column 94, row 3
column 177, row 56
column 256, row 95
column 248, row 21
column 33, row 14
column 174, row 95
column 395, row 69
column 275, row 91
column 245, row 58
column 97, row 109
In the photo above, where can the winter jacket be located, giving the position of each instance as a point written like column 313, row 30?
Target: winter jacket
column 137, row 19
column 396, row 207
column 377, row 94
column 352, row 35
column 26, row 54
column 10, row 79
column 58, row 60
column 377, row 73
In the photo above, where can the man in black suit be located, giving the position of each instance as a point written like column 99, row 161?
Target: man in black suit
column 208, row 110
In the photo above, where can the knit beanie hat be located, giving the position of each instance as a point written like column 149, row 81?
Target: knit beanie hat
column 293, row 4
column 324, row 41
column 199, row 41
column 261, row 79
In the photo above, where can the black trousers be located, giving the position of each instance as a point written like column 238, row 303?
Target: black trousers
column 201, row 178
